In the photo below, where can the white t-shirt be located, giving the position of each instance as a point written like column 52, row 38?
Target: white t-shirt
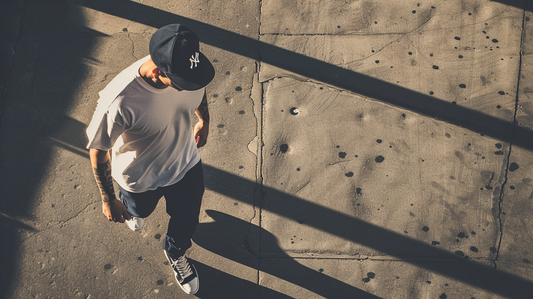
column 149, row 131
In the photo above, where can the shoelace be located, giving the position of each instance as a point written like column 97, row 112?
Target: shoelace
column 182, row 265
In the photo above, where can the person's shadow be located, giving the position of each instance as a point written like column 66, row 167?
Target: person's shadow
column 226, row 237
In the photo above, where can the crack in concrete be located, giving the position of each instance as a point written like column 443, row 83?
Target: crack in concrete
column 77, row 214
column 303, row 187
column 30, row 236
column 103, row 244
column 104, row 79
column 339, row 163
column 513, row 134
column 132, row 43
column 490, row 180
column 60, row 224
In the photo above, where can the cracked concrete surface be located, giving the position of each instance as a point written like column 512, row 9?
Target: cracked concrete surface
column 358, row 149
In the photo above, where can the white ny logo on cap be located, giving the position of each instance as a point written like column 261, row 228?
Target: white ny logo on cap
column 194, row 60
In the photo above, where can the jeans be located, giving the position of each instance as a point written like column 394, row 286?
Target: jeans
column 183, row 201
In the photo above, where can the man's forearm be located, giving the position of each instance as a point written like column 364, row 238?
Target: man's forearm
column 102, row 173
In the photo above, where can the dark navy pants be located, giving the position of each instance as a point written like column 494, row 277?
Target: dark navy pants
column 183, row 201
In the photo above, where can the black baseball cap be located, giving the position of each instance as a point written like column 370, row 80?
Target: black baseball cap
column 175, row 50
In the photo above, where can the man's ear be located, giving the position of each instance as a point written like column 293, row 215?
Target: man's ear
column 155, row 72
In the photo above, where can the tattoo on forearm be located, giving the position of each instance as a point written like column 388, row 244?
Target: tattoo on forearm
column 204, row 110
column 102, row 174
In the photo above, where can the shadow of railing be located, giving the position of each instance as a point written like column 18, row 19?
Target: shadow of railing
column 380, row 239
column 222, row 238
column 223, row 285
column 325, row 72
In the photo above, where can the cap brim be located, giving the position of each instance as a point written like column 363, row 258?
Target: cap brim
column 205, row 71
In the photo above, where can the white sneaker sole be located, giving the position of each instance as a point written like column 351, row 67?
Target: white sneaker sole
column 135, row 224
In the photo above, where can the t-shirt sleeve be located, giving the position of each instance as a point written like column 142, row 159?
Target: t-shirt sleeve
column 106, row 125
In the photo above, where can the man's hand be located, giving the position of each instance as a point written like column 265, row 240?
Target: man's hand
column 115, row 211
column 201, row 130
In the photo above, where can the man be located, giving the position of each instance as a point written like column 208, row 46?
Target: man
column 143, row 117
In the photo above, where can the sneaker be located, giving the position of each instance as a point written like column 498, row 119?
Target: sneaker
column 185, row 273
column 135, row 223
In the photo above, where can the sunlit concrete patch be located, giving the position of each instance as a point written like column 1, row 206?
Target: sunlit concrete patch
column 341, row 278
column 106, row 23
column 371, row 17
column 69, row 256
column 466, row 54
column 233, row 122
column 392, row 175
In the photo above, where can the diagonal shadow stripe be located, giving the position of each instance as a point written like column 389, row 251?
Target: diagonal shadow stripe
column 313, row 68
column 224, row 285
column 380, row 239
column 522, row 4
column 222, row 236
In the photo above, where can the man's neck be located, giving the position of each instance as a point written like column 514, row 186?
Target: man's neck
column 145, row 71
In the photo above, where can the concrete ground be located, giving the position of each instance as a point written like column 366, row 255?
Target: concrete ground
column 357, row 149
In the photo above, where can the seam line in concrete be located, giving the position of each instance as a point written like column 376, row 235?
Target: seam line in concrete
column 370, row 259
column 259, row 181
column 336, row 34
column 256, row 195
